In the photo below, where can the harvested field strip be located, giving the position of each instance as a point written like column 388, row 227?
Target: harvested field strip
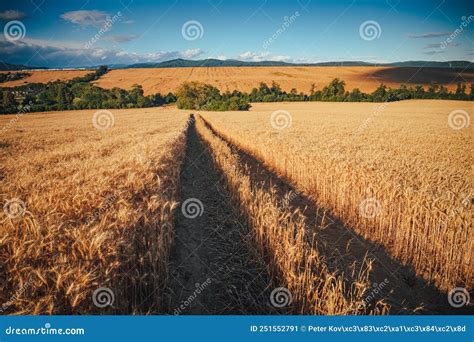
column 94, row 216
column 342, row 251
column 281, row 238
column 213, row 269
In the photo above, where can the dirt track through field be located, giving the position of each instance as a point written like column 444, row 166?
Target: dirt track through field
column 215, row 270
column 345, row 250
column 212, row 270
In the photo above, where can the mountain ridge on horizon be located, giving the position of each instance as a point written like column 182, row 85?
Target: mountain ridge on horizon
column 213, row 62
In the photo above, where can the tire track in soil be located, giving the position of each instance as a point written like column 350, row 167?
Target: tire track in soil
column 212, row 268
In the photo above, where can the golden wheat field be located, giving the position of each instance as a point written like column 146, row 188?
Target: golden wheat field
column 164, row 80
column 367, row 79
column 352, row 208
column 395, row 172
column 87, row 206
column 45, row 76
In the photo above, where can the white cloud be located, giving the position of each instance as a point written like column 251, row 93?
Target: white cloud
column 434, row 52
column 429, row 35
column 12, row 15
column 191, row 53
column 438, row 45
column 86, row 18
column 220, row 57
column 262, row 56
column 37, row 52
column 121, row 38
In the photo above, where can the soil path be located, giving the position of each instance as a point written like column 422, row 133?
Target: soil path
column 213, row 270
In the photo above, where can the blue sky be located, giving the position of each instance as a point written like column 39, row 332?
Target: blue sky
column 61, row 33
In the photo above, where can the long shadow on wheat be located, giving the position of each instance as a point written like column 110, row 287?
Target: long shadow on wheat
column 211, row 248
column 345, row 250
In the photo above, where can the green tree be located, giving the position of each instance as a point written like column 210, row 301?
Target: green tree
column 419, row 92
column 379, row 95
column 10, row 104
column 334, row 91
column 460, row 92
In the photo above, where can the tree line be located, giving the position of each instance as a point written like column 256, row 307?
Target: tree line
column 12, row 76
column 199, row 96
column 336, row 91
column 77, row 93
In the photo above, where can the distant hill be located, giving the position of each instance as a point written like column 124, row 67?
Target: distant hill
column 7, row 66
column 184, row 63
column 432, row 64
column 211, row 62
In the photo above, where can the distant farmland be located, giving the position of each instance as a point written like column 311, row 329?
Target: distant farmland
column 367, row 79
column 164, row 80
column 45, row 76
